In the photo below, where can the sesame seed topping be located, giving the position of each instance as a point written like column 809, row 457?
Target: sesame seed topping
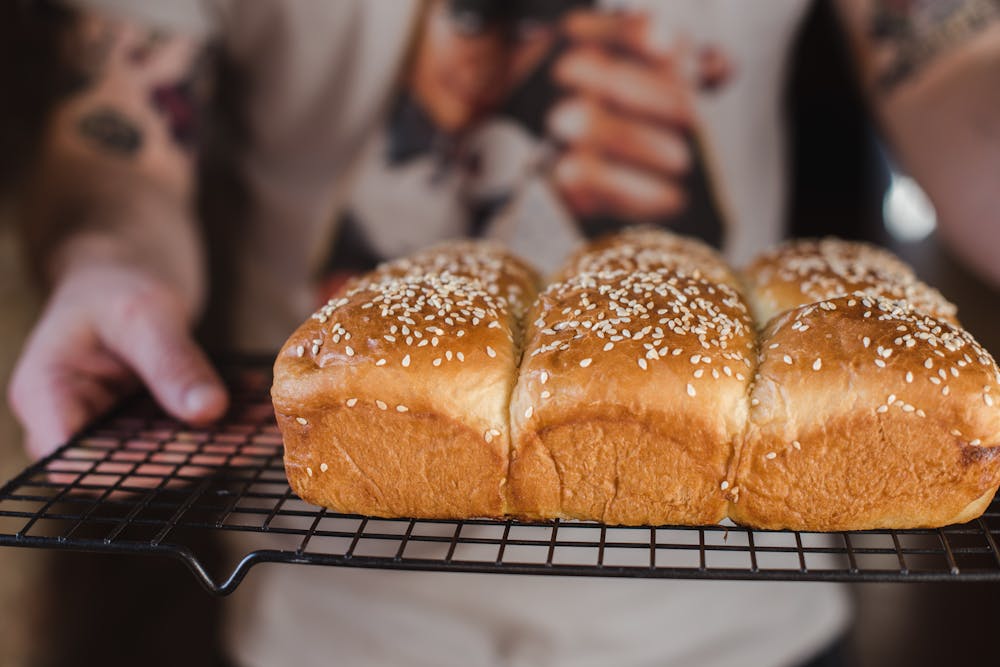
column 724, row 485
column 929, row 363
column 406, row 361
column 975, row 442
column 796, row 444
column 818, row 364
column 380, row 362
column 880, row 363
column 381, row 405
column 690, row 390
column 866, row 341
column 529, row 412
column 349, row 350
column 787, row 359
column 402, row 408
column 351, row 402
column 909, row 377
column 300, row 350
column 323, row 467
column 770, row 455
column 436, row 362
column 642, row 363
column 301, row 420
column 988, row 400
column 490, row 351
column 545, row 394
column 309, row 471
column 882, row 409
column 585, row 362
column 543, row 377
column 488, row 436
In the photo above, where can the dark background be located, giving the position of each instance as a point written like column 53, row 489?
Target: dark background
column 112, row 610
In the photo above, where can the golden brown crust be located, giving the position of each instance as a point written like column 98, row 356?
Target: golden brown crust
column 648, row 249
column 631, row 391
column 866, row 415
column 805, row 271
column 401, row 386
column 641, row 397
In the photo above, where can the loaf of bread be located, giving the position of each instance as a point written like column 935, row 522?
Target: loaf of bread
column 866, row 414
column 807, row 271
column 632, row 387
column 635, row 389
column 393, row 398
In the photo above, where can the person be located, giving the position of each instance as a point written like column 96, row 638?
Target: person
column 372, row 128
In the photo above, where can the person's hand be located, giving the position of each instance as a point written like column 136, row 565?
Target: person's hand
column 106, row 329
column 622, row 127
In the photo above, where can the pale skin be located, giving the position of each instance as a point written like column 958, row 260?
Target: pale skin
column 123, row 254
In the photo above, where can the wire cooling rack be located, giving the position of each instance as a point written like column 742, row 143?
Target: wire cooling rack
column 141, row 483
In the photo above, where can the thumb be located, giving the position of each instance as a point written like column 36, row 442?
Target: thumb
column 156, row 344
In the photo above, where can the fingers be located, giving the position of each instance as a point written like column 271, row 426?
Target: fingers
column 628, row 86
column 150, row 335
column 586, row 124
column 53, row 406
column 593, row 186
column 62, row 382
column 623, row 30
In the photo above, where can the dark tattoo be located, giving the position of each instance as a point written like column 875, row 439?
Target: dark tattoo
column 915, row 32
column 111, row 131
column 177, row 104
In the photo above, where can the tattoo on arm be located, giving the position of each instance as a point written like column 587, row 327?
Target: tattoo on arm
column 112, row 131
column 178, row 103
column 915, row 32
column 164, row 85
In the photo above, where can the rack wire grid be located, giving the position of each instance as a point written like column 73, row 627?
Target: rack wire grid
column 139, row 482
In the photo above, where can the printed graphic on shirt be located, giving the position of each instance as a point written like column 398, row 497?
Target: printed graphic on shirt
column 590, row 110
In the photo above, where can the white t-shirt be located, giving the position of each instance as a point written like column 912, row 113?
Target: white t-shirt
column 345, row 159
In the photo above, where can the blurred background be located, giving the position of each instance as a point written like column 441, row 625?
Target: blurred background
column 64, row 608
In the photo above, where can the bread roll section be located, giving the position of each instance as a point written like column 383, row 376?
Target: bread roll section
column 393, row 398
column 865, row 414
column 632, row 389
column 807, row 271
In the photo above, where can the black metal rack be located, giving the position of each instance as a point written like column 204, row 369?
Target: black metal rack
column 141, row 483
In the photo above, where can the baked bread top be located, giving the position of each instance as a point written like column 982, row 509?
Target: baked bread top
column 633, row 338
column 432, row 325
column 801, row 272
column 648, row 249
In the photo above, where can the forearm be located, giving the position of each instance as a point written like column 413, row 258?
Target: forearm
column 935, row 91
column 84, row 213
column 113, row 183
